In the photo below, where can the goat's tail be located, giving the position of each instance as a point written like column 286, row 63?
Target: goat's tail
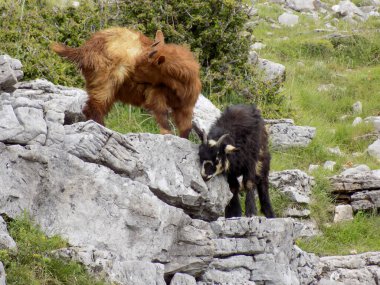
column 72, row 54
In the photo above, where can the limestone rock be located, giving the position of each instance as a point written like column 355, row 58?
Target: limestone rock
column 10, row 72
column 329, row 165
column 375, row 120
column 301, row 5
column 205, row 114
column 284, row 136
column 168, row 165
column 350, row 10
column 288, row 19
column 6, row 241
column 374, row 149
column 357, row 107
column 351, row 269
column 2, row 274
column 140, row 227
column 343, row 213
column 357, row 121
column 273, row 72
column 296, row 184
column 183, row 279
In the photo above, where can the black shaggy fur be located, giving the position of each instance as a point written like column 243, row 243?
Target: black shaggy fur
column 237, row 145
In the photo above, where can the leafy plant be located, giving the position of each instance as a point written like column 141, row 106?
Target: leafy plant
column 33, row 263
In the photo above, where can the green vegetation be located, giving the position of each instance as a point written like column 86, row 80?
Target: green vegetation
column 360, row 235
column 33, row 263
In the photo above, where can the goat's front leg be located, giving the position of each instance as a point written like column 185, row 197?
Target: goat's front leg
column 233, row 209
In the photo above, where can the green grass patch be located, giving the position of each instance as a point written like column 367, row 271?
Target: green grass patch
column 359, row 235
column 33, row 264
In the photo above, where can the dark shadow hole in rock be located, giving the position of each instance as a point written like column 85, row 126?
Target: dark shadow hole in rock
column 72, row 118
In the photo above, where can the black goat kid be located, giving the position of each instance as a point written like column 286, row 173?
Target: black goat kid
column 236, row 145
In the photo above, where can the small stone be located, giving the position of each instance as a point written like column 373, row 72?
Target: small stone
column 357, row 107
column 258, row 46
column 343, row 213
column 335, row 150
column 329, row 165
column 357, row 121
column 288, row 19
column 313, row 167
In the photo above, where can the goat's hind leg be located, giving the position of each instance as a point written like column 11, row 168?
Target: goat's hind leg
column 99, row 103
column 233, row 209
column 183, row 120
column 156, row 102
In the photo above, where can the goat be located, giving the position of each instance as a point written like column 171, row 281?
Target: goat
column 237, row 144
column 120, row 64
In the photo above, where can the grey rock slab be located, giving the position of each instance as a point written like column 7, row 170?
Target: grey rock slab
column 183, row 279
column 273, row 72
column 357, row 181
column 168, row 165
column 10, row 72
column 99, row 208
column 6, row 241
column 301, row 5
column 2, row 274
column 288, row 19
column 349, row 9
column 365, row 200
column 295, row 183
column 375, row 120
column 283, row 136
column 205, row 114
column 9, row 124
column 374, row 149
column 343, row 213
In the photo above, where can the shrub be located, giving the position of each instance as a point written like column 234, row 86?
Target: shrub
column 213, row 30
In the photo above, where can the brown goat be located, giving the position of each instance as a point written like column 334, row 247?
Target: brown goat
column 120, row 64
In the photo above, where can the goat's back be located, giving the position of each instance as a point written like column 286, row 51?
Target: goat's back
column 114, row 48
column 247, row 132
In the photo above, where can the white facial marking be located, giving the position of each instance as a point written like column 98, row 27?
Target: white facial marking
column 211, row 143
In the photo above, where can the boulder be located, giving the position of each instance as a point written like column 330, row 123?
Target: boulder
column 274, row 73
column 6, row 241
column 343, row 213
column 349, row 10
column 301, row 5
column 10, row 72
column 296, row 184
column 288, row 19
column 283, row 136
column 2, row 274
column 352, row 269
column 205, row 114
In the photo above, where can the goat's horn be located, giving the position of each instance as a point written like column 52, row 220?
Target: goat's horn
column 152, row 53
column 220, row 140
column 156, row 43
column 204, row 136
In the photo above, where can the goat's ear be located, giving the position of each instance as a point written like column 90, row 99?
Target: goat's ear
column 159, row 37
column 160, row 59
column 230, row 149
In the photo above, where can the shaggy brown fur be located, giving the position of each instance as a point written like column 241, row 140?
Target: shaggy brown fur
column 120, row 64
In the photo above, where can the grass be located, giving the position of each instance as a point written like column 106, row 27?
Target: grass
column 33, row 264
column 360, row 235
